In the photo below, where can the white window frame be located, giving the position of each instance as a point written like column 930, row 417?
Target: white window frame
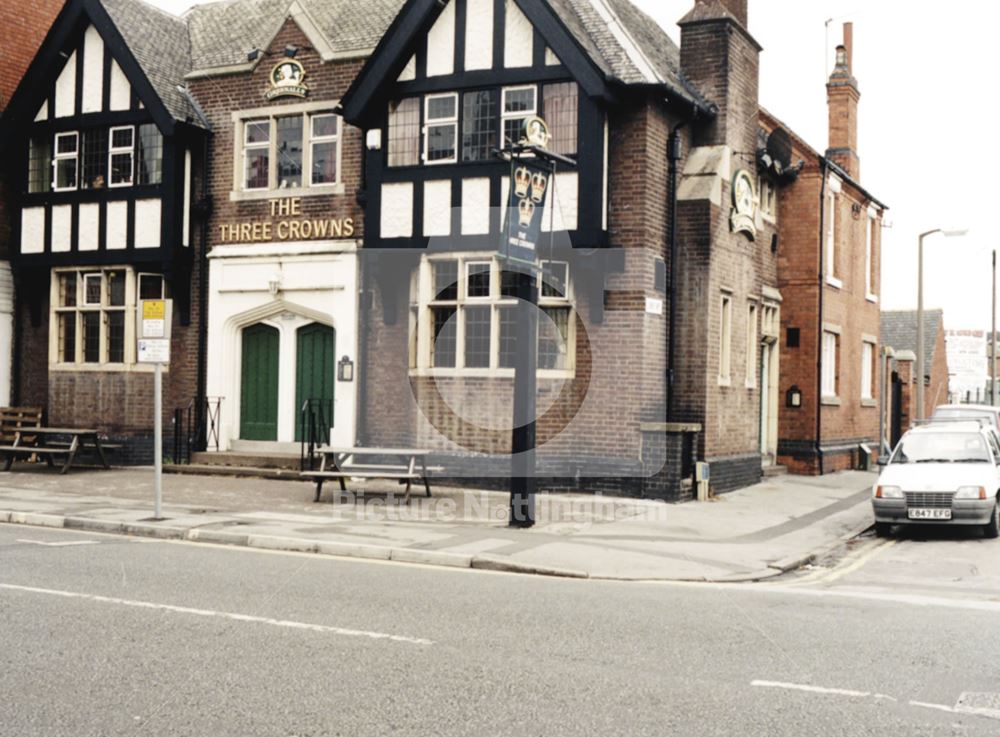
column 830, row 358
column 872, row 222
column 103, row 307
column 767, row 199
column 753, row 344
column 725, row 339
column 467, row 273
column 57, row 157
column 830, row 246
column 119, row 151
column 314, row 139
column 867, row 370
column 440, row 123
column 516, row 115
column 268, row 146
column 424, row 302
column 309, row 110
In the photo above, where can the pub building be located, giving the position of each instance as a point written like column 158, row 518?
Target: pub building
column 103, row 160
column 286, row 222
column 450, row 84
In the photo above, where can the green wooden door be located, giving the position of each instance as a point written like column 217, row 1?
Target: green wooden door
column 259, row 383
column 315, row 371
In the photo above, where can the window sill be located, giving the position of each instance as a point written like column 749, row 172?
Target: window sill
column 105, row 368
column 281, row 194
column 751, row 385
column 834, row 282
column 488, row 373
column 725, row 381
column 869, row 403
column 831, row 402
column 872, row 298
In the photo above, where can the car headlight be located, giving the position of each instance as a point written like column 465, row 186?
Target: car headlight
column 888, row 492
column 971, row 492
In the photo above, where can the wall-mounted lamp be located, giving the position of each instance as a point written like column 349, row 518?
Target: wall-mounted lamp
column 793, row 398
column 291, row 50
column 345, row 369
column 253, row 55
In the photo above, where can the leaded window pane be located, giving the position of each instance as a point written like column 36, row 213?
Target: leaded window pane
column 479, row 125
column 289, row 147
column 445, row 336
column 477, row 337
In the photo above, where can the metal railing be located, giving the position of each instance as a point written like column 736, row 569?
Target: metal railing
column 196, row 428
column 314, row 431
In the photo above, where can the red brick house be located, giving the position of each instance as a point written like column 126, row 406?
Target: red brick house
column 829, row 248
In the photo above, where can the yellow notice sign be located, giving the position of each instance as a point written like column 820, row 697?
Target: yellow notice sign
column 154, row 309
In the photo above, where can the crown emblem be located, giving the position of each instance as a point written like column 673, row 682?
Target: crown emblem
column 539, row 183
column 526, row 211
column 522, row 180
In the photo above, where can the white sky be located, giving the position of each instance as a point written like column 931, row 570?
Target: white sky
column 927, row 125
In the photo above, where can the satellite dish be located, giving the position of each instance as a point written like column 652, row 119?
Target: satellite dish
column 779, row 148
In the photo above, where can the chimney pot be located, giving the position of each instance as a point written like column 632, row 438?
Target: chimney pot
column 849, row 45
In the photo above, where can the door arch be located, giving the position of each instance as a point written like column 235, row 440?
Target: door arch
column 315, row 374
column 259, row 383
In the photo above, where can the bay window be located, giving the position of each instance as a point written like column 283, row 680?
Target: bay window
column 466, row 317
column 93, row 315
column 96, row 158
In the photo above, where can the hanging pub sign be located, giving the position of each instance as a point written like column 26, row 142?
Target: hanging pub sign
column 530, row 180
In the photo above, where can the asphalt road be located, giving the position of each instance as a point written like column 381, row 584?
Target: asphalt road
column 103, row 635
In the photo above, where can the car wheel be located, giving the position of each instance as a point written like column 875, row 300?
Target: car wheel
column 882, row 529
column 992, row 528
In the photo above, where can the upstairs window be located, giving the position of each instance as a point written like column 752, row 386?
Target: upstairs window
column 66, row 162
column 289, row 151
column 94, row 167
column 441, row 129
column 150, row 154
column 121, row 156
column 39, row 165
column 479, row 125
column 404, row 132
column 871, row 224
column 519, row 104
column 561, row 113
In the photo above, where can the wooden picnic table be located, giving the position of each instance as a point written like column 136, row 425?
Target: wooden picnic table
column 38, row 445
column 340, row 464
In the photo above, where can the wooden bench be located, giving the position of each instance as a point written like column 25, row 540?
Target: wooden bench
column 33, row 441
column 341, row 464
column 13, row 419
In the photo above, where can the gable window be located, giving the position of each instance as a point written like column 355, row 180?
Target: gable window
column 561, row 113
column 93, row 320
column 94, row 165
column 150, row 154
column 479, row 125
column 323, row 140
column 467, row 316
column 39, row 165
column 441, row 129
column 725, row 339
column 519, row 104
column 121, row 156
column 66, row 161
column 404, row 132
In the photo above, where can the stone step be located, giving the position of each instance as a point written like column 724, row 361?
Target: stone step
column 287, row 461
column 771, row 471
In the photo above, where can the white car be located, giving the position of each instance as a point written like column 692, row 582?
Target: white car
column 946, row 473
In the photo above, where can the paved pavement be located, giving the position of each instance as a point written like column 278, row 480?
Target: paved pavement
column 123, row 637
column 747, row 535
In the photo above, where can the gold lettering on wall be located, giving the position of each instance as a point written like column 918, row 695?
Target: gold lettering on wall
column 290, row 225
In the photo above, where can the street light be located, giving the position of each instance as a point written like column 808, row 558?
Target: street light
column 920, row 312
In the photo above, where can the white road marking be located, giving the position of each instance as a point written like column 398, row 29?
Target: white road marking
column 980, row 704
column 222, row 615
column 858, row 562
column 976, row 605
column 811, row 689
column 936, row 707
column 61, row 545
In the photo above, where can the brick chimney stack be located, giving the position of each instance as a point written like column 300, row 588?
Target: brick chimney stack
column 722, row 59
column 842, row 96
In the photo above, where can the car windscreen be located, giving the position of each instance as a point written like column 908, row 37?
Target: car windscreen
column 963, row 414
column 950, row 447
